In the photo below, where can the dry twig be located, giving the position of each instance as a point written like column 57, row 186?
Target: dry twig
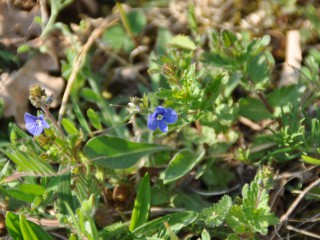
column 79, row 60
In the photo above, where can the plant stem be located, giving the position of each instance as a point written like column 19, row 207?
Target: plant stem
column 265, row 101
column 126, row 24
column 48, row 114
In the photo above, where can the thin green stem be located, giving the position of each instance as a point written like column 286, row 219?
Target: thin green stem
column 56, row 7
column 126, row 24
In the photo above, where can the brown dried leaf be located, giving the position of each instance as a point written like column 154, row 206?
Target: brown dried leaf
column 15, row 87
column 16, row 24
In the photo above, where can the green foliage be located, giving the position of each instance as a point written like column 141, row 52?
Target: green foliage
column 181, row 164
column 253, row 214
column 215, row 215
column 141, row 208
column 156, row 227
column 113, row 152
column 20, row 228
column 223, row 86
column 182, row 42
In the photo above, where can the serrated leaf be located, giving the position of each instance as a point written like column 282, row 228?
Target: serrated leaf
column 176, row 221
column 215, row 215
column 141, row 204
column 164, row 94
column 237, row 221
column 181, row 164
column 184, row 42
column 94, row 119
column 118, row 153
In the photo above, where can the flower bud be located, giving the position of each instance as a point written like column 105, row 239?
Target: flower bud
column 37, row 96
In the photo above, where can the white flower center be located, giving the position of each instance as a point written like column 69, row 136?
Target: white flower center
column 159, row 117
column 38, row 122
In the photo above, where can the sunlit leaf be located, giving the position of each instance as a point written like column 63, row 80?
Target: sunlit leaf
column 114, row 152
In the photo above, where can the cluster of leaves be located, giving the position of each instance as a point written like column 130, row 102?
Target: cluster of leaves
column 210, row 82
column 250, row 215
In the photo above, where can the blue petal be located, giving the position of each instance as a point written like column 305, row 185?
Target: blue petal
column 28, row 118
column 160, row 110
column 31, row 127
column 44, row 122
column 170, row 116
column 153, row 123
column 163, row 126
column 34, row 128
column 38, row 130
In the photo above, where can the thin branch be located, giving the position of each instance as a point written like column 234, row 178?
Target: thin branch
column 79, row 60
column 44, row 12
column 304, row 232
column 295, row 203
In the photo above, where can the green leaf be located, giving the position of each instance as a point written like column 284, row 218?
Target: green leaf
column 26, row 192
column 286, row 95
column 205, row 235
column 181, row 164
column 94, row 119
column 64, row 193
column 176, row 221
column 13, row 226
column 32, row 231
column 29, row 162
column 17, row 194
column 163, row 93
column 258, row 70
column 118, row 153
column 215, row 215
column 253, row 109
column 69, row 127
column 141, row 204
column 23, row 48
column 83, row 123
column 117, row 230
column 91, row 229
column 89, row 95
column 34, row 189
column 184, row 42
column 118, row 39
column 137, row 21
column 237, row 221
column 163, row 38
column 228, row 38
column 311, row 160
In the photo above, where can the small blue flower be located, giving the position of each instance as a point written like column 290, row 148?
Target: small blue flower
column 35, row 125
column 161, row 117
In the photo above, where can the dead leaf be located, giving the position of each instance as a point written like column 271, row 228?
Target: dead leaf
column 15, row 87
column 16, row 24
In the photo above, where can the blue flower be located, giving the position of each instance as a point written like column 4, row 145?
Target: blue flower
column 161, row 117
column 35, row 125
